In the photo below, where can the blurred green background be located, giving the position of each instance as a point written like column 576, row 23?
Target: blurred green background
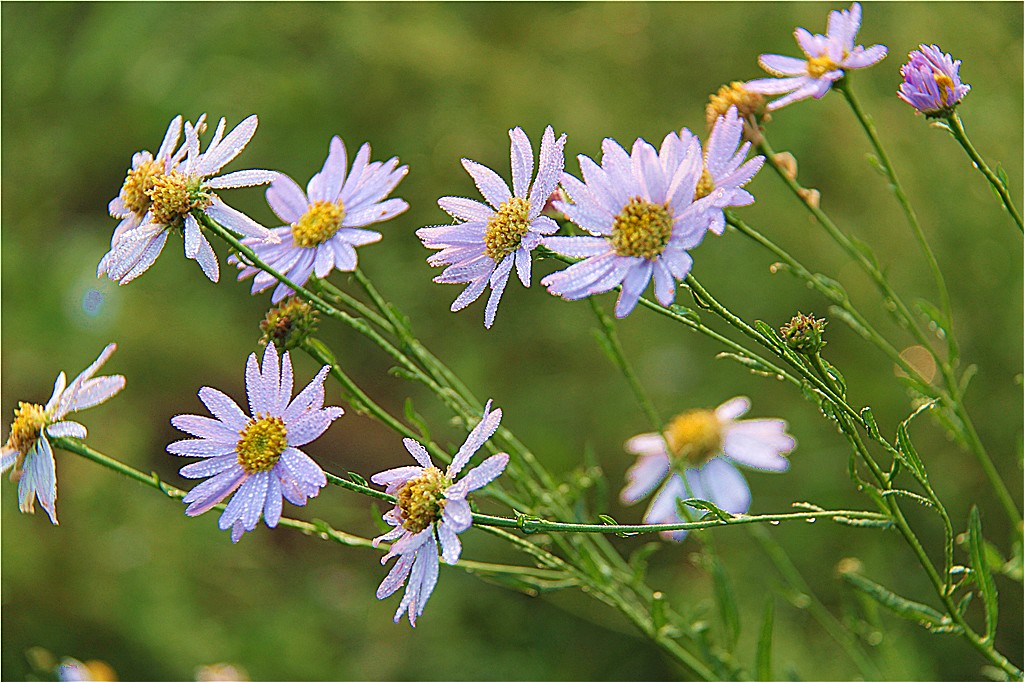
column 127, row 578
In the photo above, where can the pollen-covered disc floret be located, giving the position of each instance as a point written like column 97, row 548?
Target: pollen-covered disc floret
column 641, row 229
column 431, row 510
column 165, row 193
column 639, row 208
column 931, row 81
column 27, row 452
column 696, row 454
column 323, row 224
column 490, row 239
column 257, row 458
column 826, row 60
column 749, row 105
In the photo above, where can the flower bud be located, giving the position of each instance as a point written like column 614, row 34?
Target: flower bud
column 804, row 334
column 288, row 323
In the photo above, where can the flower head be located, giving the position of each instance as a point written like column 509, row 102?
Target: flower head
column 725, row 170
column 827, row 57
column 170, row 190
column 640, row 208
column 431, row 508
column 482, row 250
column 28, row 451
column 324, row 222
column 702, row 448
column 257, row 456
column 803, row 333
column 931, row 81
column 749, row 105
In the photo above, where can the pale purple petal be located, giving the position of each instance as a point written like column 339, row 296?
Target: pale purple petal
column 758, row 443
column 66, row 428
column 286, row 199
column 244, row 178
column 643, row 476
column 783, row 66
column 451, row 548
column 733, row 409
column 209, row 467
column 458, row 515
column 522, row 162
column 723, row 484
column 466, row 209
column 209, row 493
column 236, row 221
column 418, row 452
column 478, row 436
column 204, row 427
column 490, row 184
column 200, row 447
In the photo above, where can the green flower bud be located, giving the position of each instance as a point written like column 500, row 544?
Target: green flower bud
column 804, row 334
column 288, row 323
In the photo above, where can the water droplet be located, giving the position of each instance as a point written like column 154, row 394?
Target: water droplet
column 812, row 519
column 774, row 523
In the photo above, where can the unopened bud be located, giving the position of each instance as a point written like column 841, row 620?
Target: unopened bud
column 786, row 163
column 804, row 334
column 288, row 323
column 811, row 197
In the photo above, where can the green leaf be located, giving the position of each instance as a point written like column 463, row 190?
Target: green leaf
column 850, row 321
column 876, row 164
column 863, row 523
column 836, row 375
column 753, row 364
column 905, row 448
column 769, row 333
column 922, row 614
column 414, row 418
column 683, row 311
column 704, row 505
column 727, row 609
column 1001, row 174
column 869, row 420
column 609, row 521
column 982, row 575
column 356, row 478
column 830, row 287
column 764, row 643
column 923, row 501
column 864, row 249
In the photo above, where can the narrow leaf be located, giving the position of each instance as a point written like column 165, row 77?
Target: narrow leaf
column 356, row 478
column 835, row 311
column 728, row 611
column 982, row 574
column 922, row 614
column 709, row 507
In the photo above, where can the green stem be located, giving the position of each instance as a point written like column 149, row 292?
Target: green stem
column 908, row 210
column 960, row 135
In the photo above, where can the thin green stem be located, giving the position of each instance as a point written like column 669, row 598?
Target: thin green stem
column 956, row 128
column 940, row 283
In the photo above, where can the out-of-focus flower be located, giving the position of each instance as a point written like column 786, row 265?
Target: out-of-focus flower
column 325, row 221
column 749, row 105
column 431, row 509
column 174, row 192
column 702, row 448
column 221, row 672
column 931, row 81
column 725, row 170
column 257, row 456
column 73, row 670
column 827, row 57
column 640, row 208
column 492, row 238
column 28, row 451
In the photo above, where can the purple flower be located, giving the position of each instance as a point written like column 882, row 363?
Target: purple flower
column 256, row 456
column 641, row 209
column 431, row 508
column 175, row 192
column 323, row 223
column 482, row 249
column 28, row 450
column 725, row 170
column 697, row 453
column 931, row 81
column 133, row 201
column 826, row 58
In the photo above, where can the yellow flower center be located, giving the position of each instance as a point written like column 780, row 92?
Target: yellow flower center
column 945, row 85
column 695, row 437
column 705, row 185
column 174, row 195
column 641, row 229
column 747, row 103
column 505, row 231
column 819, row 66
column 29, row 420
column 138, row 183
column 318, row 224
column 261, row 443
column 422, row 499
